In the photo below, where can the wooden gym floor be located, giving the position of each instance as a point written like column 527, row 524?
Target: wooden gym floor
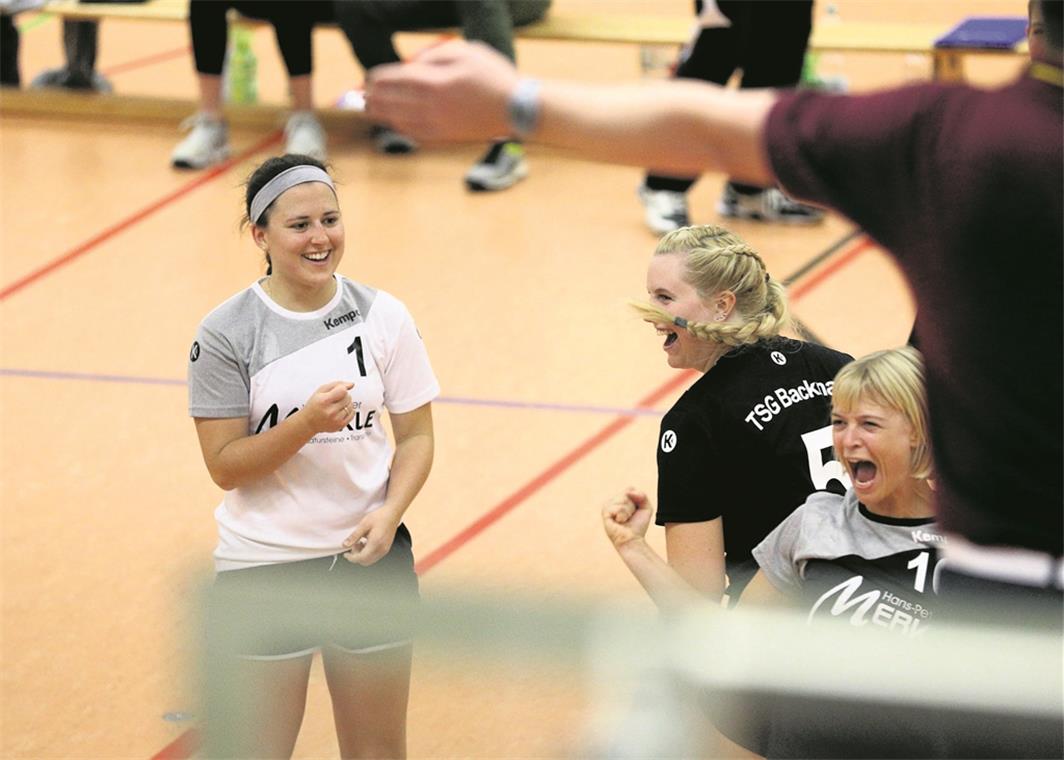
column 551, row 388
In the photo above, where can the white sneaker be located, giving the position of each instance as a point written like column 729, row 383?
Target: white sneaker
column 304, row 135
column 666, row 210
column 207, row 143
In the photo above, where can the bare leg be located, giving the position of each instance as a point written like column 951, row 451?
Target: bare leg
column 262, row 709
column 210, row 88
column 369, row 696
column 300, row 92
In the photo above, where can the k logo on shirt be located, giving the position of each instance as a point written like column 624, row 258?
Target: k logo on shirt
column 779, row 358
column 194, row 353
column 668, row 441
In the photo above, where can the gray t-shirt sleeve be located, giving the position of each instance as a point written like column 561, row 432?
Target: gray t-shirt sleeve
column 218, row 381
column 776, row 554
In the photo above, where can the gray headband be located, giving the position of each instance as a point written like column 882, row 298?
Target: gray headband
column 289, row 178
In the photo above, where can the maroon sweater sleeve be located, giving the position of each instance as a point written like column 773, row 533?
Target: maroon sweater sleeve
column 860, row 155
column 961, row 185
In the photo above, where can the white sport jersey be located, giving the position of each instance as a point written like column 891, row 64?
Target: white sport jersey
column 252, row 358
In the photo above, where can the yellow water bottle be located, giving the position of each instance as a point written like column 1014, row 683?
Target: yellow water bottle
column 241, row 67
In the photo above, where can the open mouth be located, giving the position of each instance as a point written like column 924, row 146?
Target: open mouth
column 864, row 472
column 671, row 336
column 317, row 257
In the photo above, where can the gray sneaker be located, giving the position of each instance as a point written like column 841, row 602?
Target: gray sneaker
column 664, row 210
column 501, row 167
column 304, row 135
column 207, row 143
column 769, row 205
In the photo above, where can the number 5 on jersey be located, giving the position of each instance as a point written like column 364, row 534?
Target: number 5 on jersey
column 822, row 471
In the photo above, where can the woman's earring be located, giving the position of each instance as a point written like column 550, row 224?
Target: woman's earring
column 721, row 317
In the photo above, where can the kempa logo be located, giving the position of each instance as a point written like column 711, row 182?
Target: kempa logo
column 923, row 537
column 668, row 441
column 350, row 316
column 779, row 358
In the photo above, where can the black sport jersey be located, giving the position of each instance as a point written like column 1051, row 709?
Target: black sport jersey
column 749, row 441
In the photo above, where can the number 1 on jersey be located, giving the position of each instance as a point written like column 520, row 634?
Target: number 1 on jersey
column 919, row 564
column 356, row 346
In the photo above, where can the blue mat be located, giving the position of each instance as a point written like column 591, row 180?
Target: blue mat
column 1001, row 33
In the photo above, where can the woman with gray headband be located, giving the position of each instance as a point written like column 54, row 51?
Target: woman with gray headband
column 288, row 382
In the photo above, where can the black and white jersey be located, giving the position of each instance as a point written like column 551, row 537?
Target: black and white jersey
column 749, row 441
column 875, row 573
column 846, row 562
column 254, row 359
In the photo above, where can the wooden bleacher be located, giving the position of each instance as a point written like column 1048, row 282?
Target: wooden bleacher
column 635, row 29
column 639, row 29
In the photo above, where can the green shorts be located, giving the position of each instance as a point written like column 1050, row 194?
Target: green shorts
column 291, row 609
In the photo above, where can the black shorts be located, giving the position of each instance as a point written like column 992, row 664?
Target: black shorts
column 293, row 608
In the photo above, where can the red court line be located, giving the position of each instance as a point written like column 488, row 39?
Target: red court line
column 508, row 504
column 145, row 212
column 147, row 60
column 862, row 245
column 186, row 744
column 181, row 748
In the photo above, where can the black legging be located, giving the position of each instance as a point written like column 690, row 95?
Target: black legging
column 767, row 40
column 8, row 51
column 370, row 24
column 293, row 21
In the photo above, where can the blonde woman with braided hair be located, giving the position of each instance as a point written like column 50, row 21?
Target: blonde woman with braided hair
column 719, row 260
column 748, row 440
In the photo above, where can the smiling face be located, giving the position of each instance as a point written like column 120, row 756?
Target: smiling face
column 304, row 237
column 673, row 294
column 875, row 444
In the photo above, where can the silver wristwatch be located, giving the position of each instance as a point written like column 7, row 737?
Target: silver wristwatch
column 524, row 107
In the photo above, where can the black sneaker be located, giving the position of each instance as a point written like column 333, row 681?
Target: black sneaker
column 502, row 166
column 769, row 205
column 72, row 79
column 387, row 140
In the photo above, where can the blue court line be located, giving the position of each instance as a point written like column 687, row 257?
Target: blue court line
column 456, row 400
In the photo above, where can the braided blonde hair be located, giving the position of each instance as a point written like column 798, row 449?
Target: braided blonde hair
column 716, row 260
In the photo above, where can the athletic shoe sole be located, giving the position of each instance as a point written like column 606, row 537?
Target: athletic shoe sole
column 216, row 158
column 501, row 183
column 755, row 216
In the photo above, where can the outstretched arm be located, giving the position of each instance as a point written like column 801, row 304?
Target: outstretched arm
column 462, row 91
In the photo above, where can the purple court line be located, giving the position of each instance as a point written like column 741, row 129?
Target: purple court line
column 454, row 400
column 50, row 375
